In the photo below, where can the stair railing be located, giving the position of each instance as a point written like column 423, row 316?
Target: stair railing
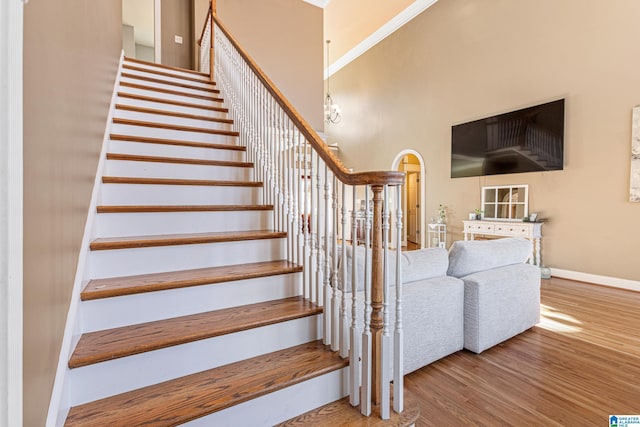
column 326, row 211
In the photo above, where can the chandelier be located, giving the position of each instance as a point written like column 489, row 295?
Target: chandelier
column 331, row 109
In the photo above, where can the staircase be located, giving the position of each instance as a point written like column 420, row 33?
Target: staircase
column 192, row 313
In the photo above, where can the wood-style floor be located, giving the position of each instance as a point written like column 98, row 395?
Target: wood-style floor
column 577, row 367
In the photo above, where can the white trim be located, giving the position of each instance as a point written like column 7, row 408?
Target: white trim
column 58, row 406
column 11, row 212
column 423, row 193
column 387, row 29
column 319, row 3
column 614, row 282
column 157, row 34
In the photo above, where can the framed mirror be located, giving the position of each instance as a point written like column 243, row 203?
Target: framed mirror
column 505, row 202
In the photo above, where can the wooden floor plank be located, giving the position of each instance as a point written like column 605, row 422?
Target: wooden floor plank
column 183, row 399
column 341, row 413
column 114, row 343
column 577, row 367
column 156, row 65
column 109, row 243
column 119, row 286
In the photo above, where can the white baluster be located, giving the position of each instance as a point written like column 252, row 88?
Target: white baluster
column 318, row 241
column 335, row 309
column 306, row 200
column 354, row 351
column 328, row 291
column 385, row 352
column 365, row 390
column 344, row 321
column 312, row 225
column 398, row 342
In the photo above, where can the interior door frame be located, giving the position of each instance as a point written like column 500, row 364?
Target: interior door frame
column 157, row 31
column 11, row 209
column 423, row 171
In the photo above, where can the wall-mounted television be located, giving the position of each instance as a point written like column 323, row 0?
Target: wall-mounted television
column 527, row 140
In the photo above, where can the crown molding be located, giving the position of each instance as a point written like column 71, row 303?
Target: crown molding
column 387, row 29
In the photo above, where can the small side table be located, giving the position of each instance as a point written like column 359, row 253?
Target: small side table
column 437, row 235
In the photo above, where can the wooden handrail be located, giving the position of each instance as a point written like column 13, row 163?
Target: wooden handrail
column 332, row 161
column 204, row 27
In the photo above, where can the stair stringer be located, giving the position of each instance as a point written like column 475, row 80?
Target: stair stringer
column 59, row 402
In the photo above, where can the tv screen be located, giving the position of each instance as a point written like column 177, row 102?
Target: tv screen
column 527, row 140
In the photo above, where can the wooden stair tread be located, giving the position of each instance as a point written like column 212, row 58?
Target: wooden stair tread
column 180, row 208
column 95, row 347
column 170, row 83
column 179, row 160
column 169, row 126
column 341, row 413
column 176, row 181
column 129, row 242
column 171, row 92
column 129, row 285
column 163, row 141
column 172, row 102
column 168, row 67
column 183, row 399
column 163, row 73
column 172, row 114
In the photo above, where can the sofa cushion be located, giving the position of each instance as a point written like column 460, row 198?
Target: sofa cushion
column 416, row 265
column 472, row 256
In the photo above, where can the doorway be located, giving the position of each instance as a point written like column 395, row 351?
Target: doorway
column 413, row 196
column 141, row 29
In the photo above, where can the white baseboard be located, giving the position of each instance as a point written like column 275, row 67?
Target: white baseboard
column 614, row 282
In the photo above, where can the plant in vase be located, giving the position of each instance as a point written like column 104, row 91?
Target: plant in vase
column 442, row 214
column 478, row 213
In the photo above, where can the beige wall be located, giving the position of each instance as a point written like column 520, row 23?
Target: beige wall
column 285, row 38
column 177, row 20
column 71, row 51
column 462, row 60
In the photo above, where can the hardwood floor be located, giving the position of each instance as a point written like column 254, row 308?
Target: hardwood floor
column 577, row 367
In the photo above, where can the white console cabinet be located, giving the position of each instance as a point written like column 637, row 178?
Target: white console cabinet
column 528, row 230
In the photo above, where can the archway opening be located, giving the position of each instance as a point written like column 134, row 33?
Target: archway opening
column 413, row 198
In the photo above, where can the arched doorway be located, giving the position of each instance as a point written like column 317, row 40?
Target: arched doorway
column 413, row 197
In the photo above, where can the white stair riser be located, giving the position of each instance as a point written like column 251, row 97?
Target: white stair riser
column 281, row 405
column 107, row 313
column 204, row 83
column 177, row 73
column 176, row 170
column 177, row 108
column 179, row 135
column 141, row 194
column 166, row 119
column 201, row 91
column 120, row 375
column 127, row 262
column 179, row 98
column 150, row 223
column 167, row 150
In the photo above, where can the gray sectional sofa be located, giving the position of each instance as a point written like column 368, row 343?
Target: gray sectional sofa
column 475, row 296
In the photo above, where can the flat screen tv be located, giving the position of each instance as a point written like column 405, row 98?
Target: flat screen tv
column 527, row 140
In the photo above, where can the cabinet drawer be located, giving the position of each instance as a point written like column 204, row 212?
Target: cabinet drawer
column 479, row 228
column 512, row 230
